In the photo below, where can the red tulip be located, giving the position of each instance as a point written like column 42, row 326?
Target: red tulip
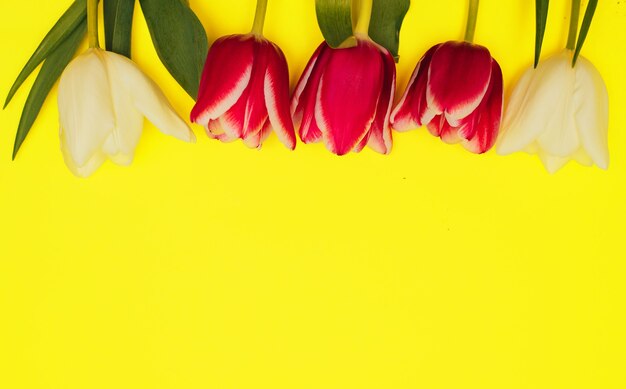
column 244, row 92
column 345, row 96
column 456, row 90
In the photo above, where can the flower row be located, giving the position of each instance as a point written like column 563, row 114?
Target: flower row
column 344, row 98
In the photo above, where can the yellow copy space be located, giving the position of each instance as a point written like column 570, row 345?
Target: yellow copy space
column 214, row 266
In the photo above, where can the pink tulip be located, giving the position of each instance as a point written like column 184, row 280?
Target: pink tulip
column 456, row 90
column 344, row 98
column 244, row 92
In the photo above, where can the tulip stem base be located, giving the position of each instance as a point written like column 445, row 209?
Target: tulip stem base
column 472, row 15
column 573, row 25
column 364, row 17
column 259, row 17
column 92, row 23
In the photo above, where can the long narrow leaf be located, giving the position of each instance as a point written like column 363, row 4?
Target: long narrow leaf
column 541, row 10
column 179, row 39
column 50, row 72
column 584, row 28
column 335, row 20
column 118, row 24
column 386, row 22
column 64, row 27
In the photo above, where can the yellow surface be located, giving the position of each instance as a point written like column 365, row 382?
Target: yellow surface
column 214, row 266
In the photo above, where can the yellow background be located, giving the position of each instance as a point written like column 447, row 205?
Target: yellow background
column 214, row 266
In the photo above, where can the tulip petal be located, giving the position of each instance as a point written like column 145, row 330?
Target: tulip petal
column 560, row 136
column 540, row 104
column 88, row 168
column 410, row 111
column 255, row 141
column 591, row 102
column 86, row 112
column 276, row 89
column 380, row 138
column 226, row 75
column 305, row 97
column 297, row 103
column 126, row 78
column 458, row 79
column 481, row 130
column 351, row 75
column 515, row 138
column 248, row 115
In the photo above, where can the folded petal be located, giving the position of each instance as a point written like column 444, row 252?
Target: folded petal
column 305, row 96
column 379, row 137
column 458, row 79
column 514, row 137
column 226, row 75
column 539, row 103
column 591, row 102
column 276, row 90
column 146, row 96
column 409, row 112
column 559, row 137
column 348, row 94
column 86, row 111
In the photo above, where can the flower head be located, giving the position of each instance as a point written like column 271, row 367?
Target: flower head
column 559, row 112
column 244, row 92
column 344, row 98
column 455, row 90
column 103, row 98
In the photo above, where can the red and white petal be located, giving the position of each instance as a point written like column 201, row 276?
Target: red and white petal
column 348, row 94
column 304, row 82
column 380, row 138
column 276, row 90
column 304, row 100
column 255, row 141
column 227, row 72
column 458, row 79
column 480, row 133
column 409, row 113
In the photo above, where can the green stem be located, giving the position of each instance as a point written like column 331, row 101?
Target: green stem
column 365, row 16
column 92, row 23
column 573, row 25
column 472, row 15
column 259, row 17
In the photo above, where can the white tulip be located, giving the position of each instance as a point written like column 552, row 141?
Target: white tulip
column 559, row 112
column 103, row 98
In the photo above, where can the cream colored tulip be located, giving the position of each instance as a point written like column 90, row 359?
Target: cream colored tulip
column 103, row 99
column 560, row 113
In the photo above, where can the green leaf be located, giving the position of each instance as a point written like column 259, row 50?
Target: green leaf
column 584, row 28
column 179, row 39
column 118, row 24
column 541, row 10
column 335, row 20
column 50, row 72
column 61, row 30
column 386, row 22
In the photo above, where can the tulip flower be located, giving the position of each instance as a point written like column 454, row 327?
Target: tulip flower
column 344, row 97
column 103, row 98
column 559, row 112
column 244, row 90
column 560, row 109
column 456, row 91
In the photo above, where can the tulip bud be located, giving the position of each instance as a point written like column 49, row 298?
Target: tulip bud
column 344, row 98
column 559, row 112
column 103, row 98
column 455, row 90
column 244, row 92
